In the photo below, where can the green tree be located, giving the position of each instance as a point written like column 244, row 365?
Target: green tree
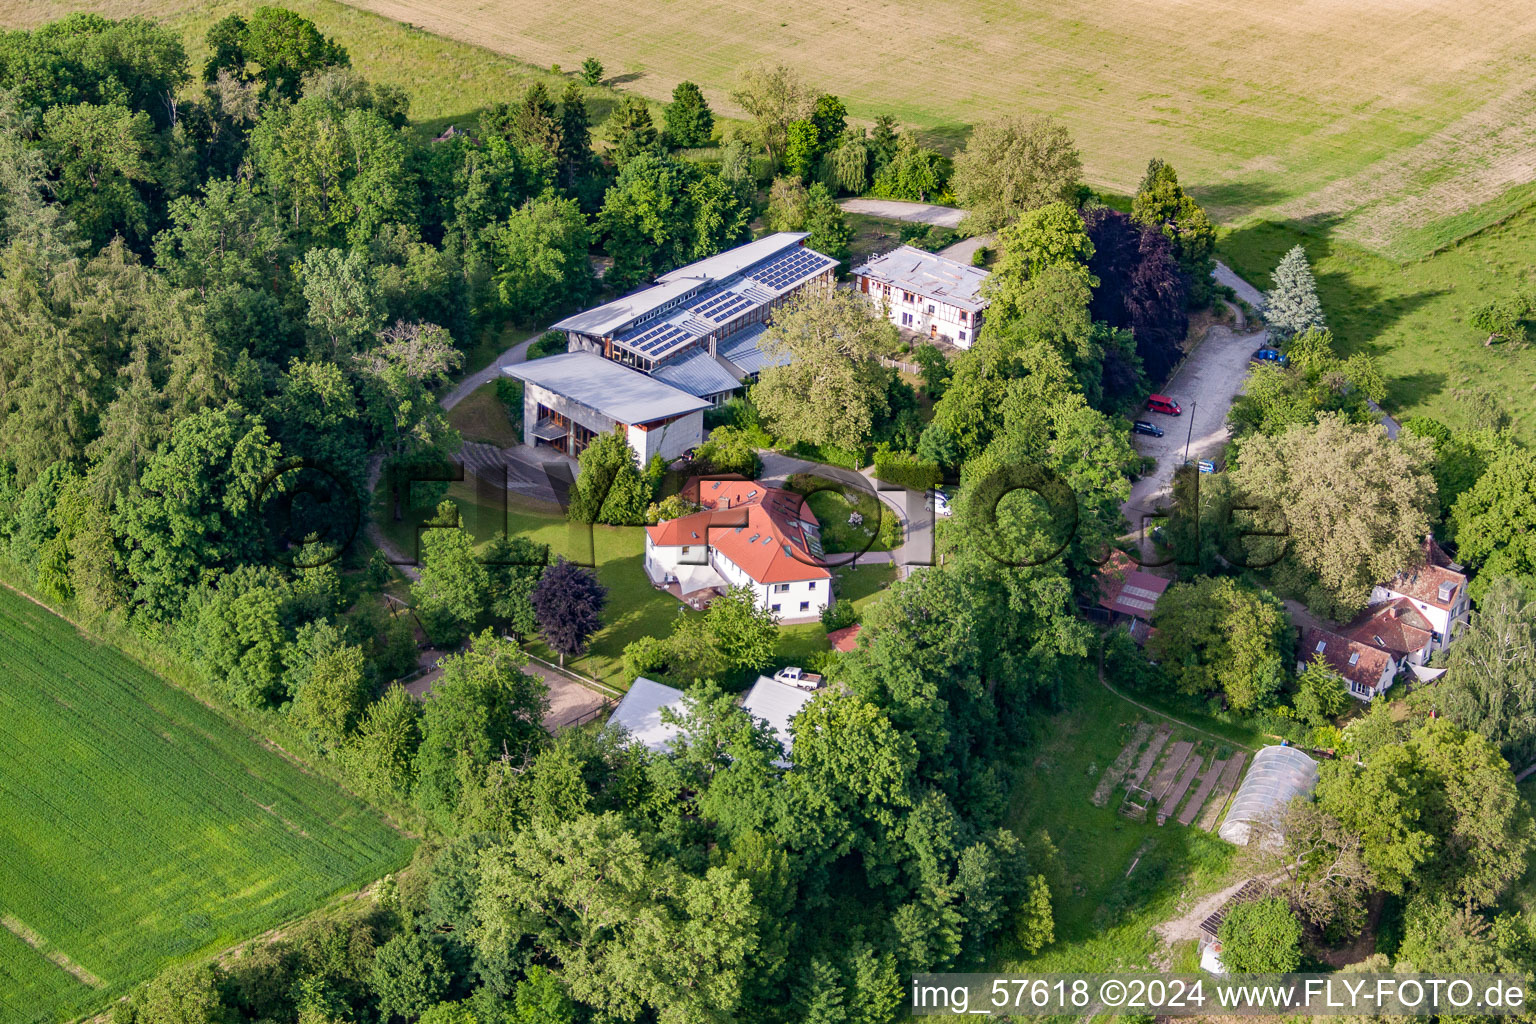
column 1490, row 681
column 399, row 377
column 913, row 173
column 1162, row 203
column 802, row 143
column 338, row 690
column 380, row 756
column 102, row 158
column 833, row 391
column 1493, row 520
column 514, row 565
column 592, row 71
column 743, row 634
column 483, row 707
column 793, row 207
column 773, row 95
column 410, row 976
column 1041, row 239
column 1292, row 304
column 541, row 258
column 661, row 214
column 453, row 589
column 936, row 370
column 1320, row 694
column 1012, row 165
column 729, row 450
column 280, row 47
column 536, row 122
column 848, row 166
column 1216, row 634
column 575, row 157
column 1034, row 925
column 184, row 994
column 631, row 933
column 197, row 506
column 1260, row 937
column 1354, row 503
column 689, row 120
column 631, row 131
column 609, row 487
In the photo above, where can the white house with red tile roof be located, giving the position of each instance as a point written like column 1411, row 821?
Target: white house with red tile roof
column 1368, row 671
column 745, row 534
column 1396, row 627
column 1437, row 591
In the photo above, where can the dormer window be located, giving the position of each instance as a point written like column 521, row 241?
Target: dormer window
column 1446, row 590
column 1320, row 645
column 1354, row 657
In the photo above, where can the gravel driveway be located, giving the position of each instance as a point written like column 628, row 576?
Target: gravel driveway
column 896, row 209
column 1210, row 377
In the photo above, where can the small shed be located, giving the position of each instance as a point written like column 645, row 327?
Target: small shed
column 1129, row 594
column 1278, row 775
column 776, row 704
column 639, row 714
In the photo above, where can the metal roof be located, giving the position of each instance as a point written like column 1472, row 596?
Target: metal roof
column 777, row 704
column 639, row 713
column 930, row 275
column 697, row 373
column 607, row 387
column 745, row 352
column 679, row 284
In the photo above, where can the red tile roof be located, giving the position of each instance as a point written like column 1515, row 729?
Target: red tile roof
column 763, row 530
column 1126, row 589
column 1422, row 583
column 844, row 639
column 1396, row 626
column 1367, row 666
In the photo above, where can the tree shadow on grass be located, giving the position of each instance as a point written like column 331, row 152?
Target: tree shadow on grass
column 1357, row 310
column 1413, row 389
column 1235, row 199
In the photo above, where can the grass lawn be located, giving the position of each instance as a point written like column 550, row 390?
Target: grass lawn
column 482, row 417
column 635, row 608
column 1413, row 316
column 1103, row 914
column 141, row 826
column 832, row 503
column 871, row 236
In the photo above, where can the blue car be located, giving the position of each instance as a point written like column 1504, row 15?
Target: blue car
column 1270, row 355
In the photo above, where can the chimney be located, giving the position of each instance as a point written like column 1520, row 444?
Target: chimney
column 725, row 502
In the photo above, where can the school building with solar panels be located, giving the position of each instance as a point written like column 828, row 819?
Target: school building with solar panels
column 687, row 342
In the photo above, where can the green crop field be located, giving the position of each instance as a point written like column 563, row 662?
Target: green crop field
column 139, row 826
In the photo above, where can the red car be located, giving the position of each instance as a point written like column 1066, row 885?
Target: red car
column 1163, row 404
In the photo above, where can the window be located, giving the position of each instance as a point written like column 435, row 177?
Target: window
column 781, row 588
column 962, row 335
column 811, row 585
column 963, row 315
column 908, row 298
column 687, row 548
column 805, row 605
column 906, row 319
column 775, row 607
column 930, row 309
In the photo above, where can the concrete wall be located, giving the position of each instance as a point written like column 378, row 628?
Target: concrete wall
column 669, row 441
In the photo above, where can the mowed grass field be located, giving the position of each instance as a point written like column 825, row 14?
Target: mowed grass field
column 138, row 826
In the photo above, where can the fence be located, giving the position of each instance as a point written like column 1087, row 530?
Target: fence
column 587, row 681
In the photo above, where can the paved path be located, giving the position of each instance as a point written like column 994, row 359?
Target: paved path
column 1204, row 384
column 963, row 250
column 516, row 354
column 1245, row 291
column 896, row 209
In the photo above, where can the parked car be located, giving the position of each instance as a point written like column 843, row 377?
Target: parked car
column 1150, row 429
column 1163, row 404
column 1271, row 355
column 938, row 501
column 1205, row 465
column 794, row 675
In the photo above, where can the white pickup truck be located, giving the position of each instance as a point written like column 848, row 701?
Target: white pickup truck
column 796, row 676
